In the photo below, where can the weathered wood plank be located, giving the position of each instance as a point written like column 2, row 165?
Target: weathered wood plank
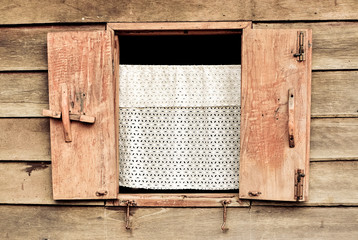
column 335, row 44
column 25, row 139
column 334, row 139
column 28, row 139
column 50, row 222
column 334, row 94
column 24, row 48
column 331, row 184
column 30, row 183
column 17, row 12
column 26, row 94
column 23, row 94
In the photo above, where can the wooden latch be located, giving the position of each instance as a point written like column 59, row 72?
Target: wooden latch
column 65, row 114
column 299, row 175
column 129, row 203
column 301, row 50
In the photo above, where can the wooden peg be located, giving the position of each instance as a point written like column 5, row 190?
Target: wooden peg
column 65, row 113
column 291, row 118
column 50, row 113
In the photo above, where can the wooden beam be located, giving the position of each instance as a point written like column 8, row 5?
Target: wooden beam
column 24, row 48
column 168, row 26
column 20, row 12
column 52, row 222
column 30, row 183
column 335, row 44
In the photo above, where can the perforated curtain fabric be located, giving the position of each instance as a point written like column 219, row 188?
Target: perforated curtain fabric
column 179, row 126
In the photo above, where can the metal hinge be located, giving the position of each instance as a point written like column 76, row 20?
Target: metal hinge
column 129, row 203
column 301, row 48
column 299, row 175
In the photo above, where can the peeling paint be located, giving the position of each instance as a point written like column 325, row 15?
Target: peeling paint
column 35, row 167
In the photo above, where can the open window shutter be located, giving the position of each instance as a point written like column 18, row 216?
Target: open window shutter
column 82, row 97
column 275, row 120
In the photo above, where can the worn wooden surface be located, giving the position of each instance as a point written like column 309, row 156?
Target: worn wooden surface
column 269, row 74
column 46, row 222
column 17, row 11
column 335, row 44
column 334, row 94
column 328, row 139
column 331, row 184
column 30, row 183
column 81, row 82
column 24, row 48
column 25, row 94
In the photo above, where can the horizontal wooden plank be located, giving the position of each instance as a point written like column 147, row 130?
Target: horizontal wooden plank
column 28, row 139
column 30, row 183
column 331, row 184
column 335, row 138
column 24, row 48
column 180, row 200
column 334, row 94
column 17, row 12
column 25, row 94
column 335, row 44
column 51, row 222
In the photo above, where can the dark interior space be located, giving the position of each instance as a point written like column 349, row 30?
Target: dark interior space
column 181, row 49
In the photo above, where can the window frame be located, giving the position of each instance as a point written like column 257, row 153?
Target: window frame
column 173, row 28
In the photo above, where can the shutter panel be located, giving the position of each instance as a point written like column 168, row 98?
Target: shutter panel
column 81, row 90
column 275, row 104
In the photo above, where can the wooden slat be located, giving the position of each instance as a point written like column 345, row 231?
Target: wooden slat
column 16, row 12
column 335, row 44
column 84, row 161
column 26, row 94
column 334, row 139
column 271, row 75
column 331, row 139
column 30, row 183
column 24, row 48
column 334, row 94
column 331, row 184
column 50, row 222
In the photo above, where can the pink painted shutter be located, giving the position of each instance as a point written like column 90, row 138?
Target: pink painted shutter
column 82, row 90
column 275, row 120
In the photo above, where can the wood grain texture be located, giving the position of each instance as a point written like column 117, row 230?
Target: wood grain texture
column 331, row 184
column 334, row 94
column 81, row 77
column 269, row 72
column 24, row 48
column 17, row 11
column 23, row 94
column 334, row 138
column 335, row 44
column 30, row 183
column 26, row 94
column 328, row 139
column 50, row 222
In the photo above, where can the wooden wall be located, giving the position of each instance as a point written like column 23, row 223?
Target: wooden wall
column 26, row 205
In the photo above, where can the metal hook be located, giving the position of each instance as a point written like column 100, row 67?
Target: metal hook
column 224, row 203
column 129, row 203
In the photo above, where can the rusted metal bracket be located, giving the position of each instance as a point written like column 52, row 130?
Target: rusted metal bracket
column 129, row 203
column 299, row 175
column 225, row 203
column 301, row 49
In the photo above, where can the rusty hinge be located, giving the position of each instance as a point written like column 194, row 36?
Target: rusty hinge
column 301, row 49
column 224, row 203
column 299, row 175
column 129, row 203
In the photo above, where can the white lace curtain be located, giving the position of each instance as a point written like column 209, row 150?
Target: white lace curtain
column 179, row 126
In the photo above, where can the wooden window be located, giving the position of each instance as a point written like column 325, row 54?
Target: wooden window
column 275, row 65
